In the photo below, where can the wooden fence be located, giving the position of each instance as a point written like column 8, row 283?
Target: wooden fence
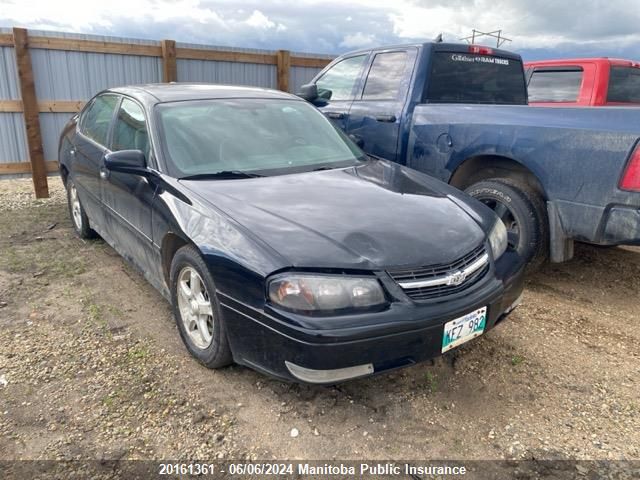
column 29, row 105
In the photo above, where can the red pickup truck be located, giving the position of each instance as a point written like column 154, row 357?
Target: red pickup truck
column 586, row 82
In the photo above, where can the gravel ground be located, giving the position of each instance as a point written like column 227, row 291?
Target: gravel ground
column 91, row 366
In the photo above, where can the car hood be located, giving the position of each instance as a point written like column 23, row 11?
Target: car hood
column 374, row 216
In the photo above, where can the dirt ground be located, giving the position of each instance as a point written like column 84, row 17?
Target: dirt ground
column 92, row 366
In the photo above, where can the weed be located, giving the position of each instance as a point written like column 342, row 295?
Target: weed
column 139, row 352
column 517, row 360
column 431, row 382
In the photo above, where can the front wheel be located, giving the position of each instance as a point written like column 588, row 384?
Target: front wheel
column 196, row 309
column 523, row 212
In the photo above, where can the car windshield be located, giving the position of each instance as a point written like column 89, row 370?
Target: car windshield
column 261, row 136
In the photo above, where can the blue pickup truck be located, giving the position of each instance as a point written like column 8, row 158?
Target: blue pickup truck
column 459, row 113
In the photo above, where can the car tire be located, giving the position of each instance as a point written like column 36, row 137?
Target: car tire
column 202, row 330
column 79, row 218
column 524, row 213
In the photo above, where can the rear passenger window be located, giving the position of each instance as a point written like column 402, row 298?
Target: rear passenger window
column 97, row 118
column 130, row 130
column 555, row 85
column 385, row 77
column 624, row 85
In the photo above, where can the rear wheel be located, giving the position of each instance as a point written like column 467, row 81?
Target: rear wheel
column 196, row 309
column 523, row 212
column 79, row 217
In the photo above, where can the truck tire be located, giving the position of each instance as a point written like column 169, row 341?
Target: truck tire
column 523, row 211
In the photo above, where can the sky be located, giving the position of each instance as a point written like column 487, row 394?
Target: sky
column 538, row 28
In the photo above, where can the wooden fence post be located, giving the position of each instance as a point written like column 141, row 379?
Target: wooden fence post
column 30, row 112
column 169, row 68
column 283, row 61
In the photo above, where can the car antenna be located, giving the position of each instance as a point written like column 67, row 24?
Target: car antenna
column 438, row 39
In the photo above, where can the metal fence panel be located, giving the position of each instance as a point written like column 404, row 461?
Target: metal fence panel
column 73, row 75
column 8, row 74
column 61, row 75
column 300, row 76
column 13, row 138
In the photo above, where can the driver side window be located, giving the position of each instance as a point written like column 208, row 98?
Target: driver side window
column 130, row 130
column 339, row 81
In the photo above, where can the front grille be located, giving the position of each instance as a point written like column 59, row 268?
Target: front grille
column 434, row 272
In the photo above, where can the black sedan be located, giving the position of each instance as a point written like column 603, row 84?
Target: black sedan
column 280, row 245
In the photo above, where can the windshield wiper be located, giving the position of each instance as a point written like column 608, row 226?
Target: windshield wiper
column 224, row 174
column 320, row 169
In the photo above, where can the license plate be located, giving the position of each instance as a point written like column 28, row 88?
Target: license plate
column 463, row 329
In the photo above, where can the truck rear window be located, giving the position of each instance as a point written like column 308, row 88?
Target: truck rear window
column 624, row 85
column 555, row 85
column 468, row 78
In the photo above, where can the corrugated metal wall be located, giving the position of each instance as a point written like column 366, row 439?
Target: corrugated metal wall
column 13, row 141
column 67, row 75
column 298, row 76
column 230, row 73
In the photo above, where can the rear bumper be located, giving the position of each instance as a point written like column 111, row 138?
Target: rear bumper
column 610, row 225
column 406, row 337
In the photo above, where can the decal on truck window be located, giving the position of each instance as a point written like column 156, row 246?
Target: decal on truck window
column 457, row 57
column 459, row 77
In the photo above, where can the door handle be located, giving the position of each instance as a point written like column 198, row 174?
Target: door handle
column 72, row 152
column 335, row 115
column 386, row 118
column 104, row 173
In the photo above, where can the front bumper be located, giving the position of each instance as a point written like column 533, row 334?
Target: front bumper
column 406, row 334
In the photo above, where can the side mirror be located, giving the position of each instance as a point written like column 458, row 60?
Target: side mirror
column 308, row 92
column 126, row 161
column 357, row 139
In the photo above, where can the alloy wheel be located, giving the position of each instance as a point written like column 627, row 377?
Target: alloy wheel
column 195, row 307
column 76, row 210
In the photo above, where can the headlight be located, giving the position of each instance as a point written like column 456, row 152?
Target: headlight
column 498, row 239
column 319, row 292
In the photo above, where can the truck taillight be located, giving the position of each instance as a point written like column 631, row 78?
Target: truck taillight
column 478, row 50
column 631, row 177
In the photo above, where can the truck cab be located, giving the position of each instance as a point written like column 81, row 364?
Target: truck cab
column 583, row 82
column 370, row 94
column 459, row 113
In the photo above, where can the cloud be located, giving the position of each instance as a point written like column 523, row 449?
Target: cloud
column 332, row 26
column 260, row 20
column 358, row 40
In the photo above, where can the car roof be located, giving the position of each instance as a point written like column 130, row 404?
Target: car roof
column 153, row 93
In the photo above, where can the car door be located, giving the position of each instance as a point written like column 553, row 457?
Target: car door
column 128, row 197
column 377, row 111
column 337, row 86
column 88, row 150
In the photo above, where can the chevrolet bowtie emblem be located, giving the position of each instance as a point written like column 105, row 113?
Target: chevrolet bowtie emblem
column 456, row 278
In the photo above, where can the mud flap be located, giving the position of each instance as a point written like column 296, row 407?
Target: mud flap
column 560, row 246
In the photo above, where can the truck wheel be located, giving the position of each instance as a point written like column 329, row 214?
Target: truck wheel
column 524, row 214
